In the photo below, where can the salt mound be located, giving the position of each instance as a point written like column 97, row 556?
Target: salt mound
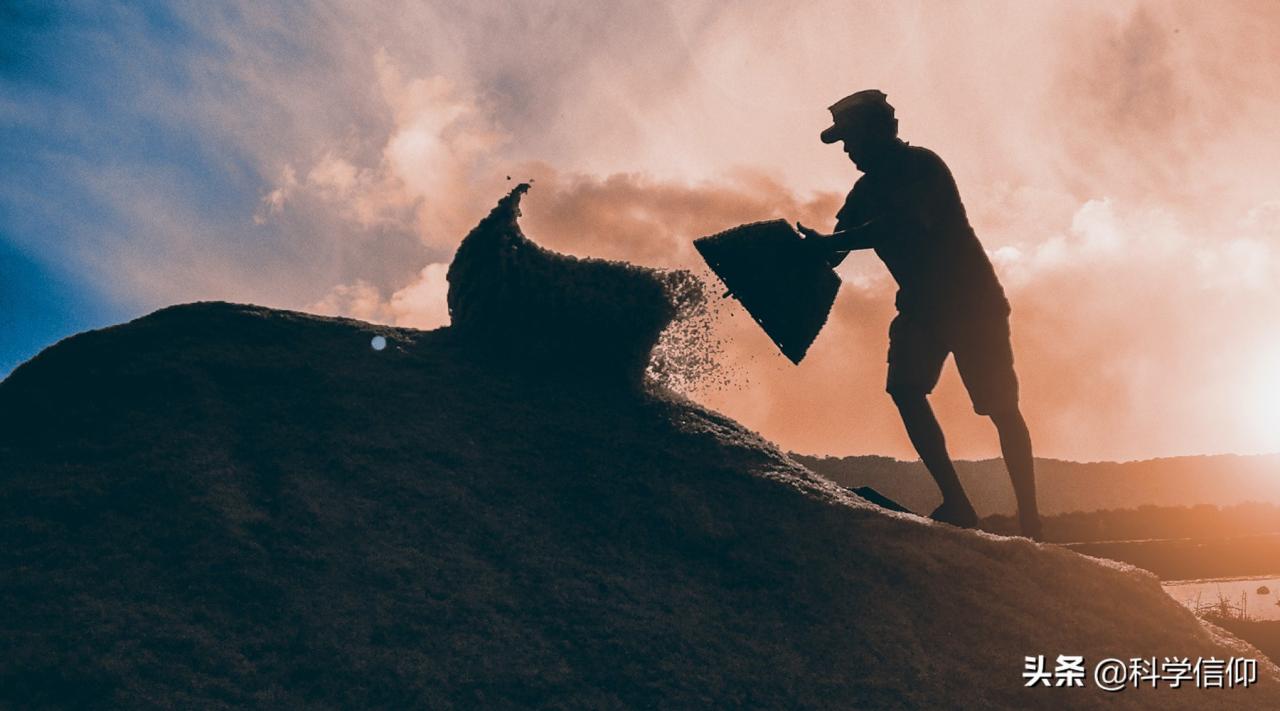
column 223, row 506
column 592, row 319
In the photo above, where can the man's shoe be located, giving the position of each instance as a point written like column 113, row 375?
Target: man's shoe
column 961, row 515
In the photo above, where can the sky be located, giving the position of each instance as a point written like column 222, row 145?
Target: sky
column 1119, row 161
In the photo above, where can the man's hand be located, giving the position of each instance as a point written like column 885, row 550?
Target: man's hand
column 814, row 241
column 808, row 232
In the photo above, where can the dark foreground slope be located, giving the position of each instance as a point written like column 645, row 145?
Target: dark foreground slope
column 227, row 506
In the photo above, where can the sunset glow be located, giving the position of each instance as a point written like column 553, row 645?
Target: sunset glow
column 1264, row 388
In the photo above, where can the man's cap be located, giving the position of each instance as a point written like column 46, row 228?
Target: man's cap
column 852, row 111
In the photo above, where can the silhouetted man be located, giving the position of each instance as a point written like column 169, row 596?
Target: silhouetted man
column 907, row 208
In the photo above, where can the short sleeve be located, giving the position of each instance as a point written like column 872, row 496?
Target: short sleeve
column 851, row 214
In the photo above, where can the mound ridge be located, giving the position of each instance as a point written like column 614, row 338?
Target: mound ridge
column 525, row 306
column 222, row 506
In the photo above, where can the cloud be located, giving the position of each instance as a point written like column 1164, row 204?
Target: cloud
column 438, row 151
column 423, row 303
column 360, row 300
column 1130, row 319
column 634, row 217
column 1151, row 103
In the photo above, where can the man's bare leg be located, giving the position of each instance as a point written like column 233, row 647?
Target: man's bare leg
column 1015, row 447
column 926, row 435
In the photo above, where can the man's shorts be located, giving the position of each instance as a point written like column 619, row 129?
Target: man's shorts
column 984, row 357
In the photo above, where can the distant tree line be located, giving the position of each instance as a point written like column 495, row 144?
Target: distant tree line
column 1200, row 522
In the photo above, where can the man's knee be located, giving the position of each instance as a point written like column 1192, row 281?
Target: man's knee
column 906, row 397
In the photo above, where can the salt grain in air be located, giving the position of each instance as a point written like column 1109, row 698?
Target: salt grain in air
column 378, row 343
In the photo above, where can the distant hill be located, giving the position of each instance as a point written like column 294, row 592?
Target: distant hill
column 1201, row 521
column 1063, row 487
column 222, row 506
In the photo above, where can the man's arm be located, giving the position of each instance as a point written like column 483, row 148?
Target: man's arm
column 911, row 209
column 864, row 236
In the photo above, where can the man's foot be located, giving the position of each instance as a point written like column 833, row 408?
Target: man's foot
column 961, row 514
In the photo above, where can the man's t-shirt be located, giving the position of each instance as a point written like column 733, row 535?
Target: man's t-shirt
column 925, row 238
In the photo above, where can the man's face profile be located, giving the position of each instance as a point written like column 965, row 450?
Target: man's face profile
column 856, row 144
column 860, row 136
